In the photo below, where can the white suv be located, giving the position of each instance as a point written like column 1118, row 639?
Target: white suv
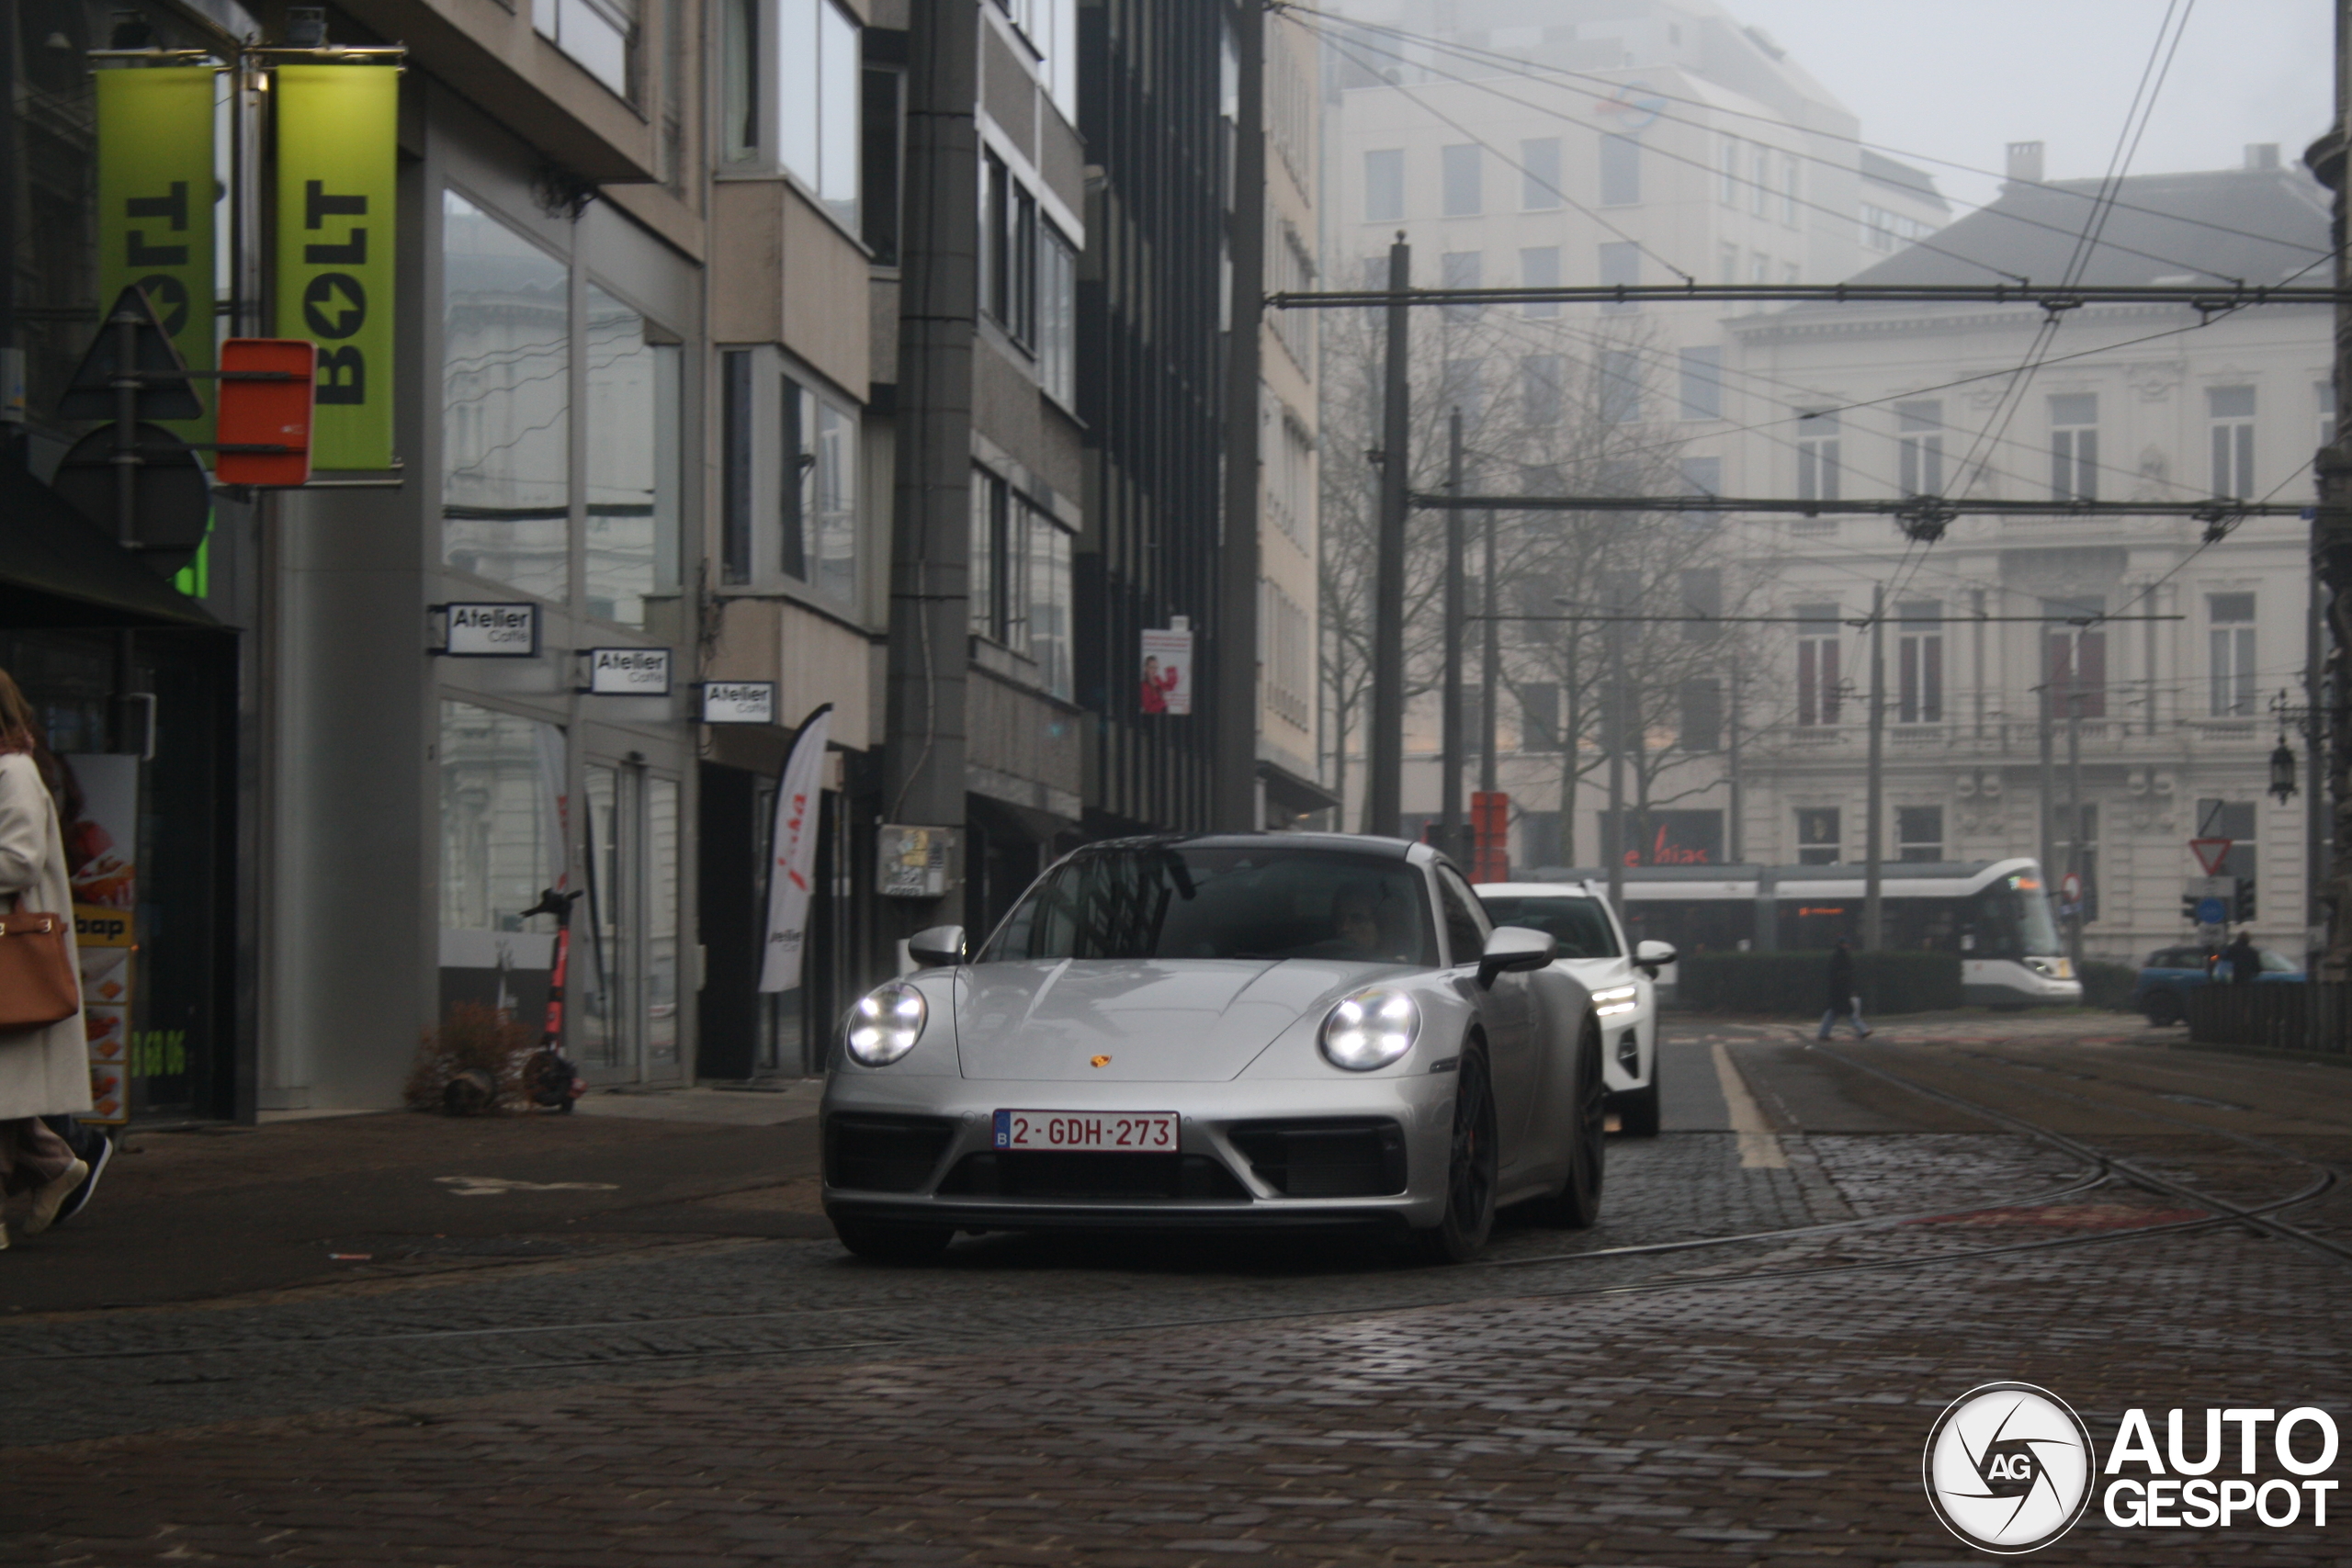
column 1623, row 987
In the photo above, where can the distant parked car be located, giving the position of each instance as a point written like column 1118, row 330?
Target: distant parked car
column 2171, row 973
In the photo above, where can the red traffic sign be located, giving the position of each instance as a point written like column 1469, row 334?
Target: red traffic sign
column 2210, row 854
column 2070, row 887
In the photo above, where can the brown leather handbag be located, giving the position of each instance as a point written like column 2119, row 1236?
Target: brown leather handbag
column 35, row 968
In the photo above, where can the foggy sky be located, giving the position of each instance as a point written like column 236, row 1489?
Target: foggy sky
column 1957, row 79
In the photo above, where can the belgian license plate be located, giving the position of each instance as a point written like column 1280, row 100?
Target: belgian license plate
column 1095, row 1132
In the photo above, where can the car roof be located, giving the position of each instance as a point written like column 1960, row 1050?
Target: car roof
column 1314, row 843
column 1536, row 890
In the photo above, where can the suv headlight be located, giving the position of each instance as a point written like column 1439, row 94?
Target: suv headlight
column 885, row 1023
column 1370, row 1029
column 1615, row 999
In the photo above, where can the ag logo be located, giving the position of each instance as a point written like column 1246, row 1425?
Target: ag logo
column 2008, row 1468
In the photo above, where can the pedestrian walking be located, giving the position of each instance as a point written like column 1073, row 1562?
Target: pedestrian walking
column 44, row 1056
column 1845, row 1001
column 2244, row 959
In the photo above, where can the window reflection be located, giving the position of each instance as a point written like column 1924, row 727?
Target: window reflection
column 506, row 334
column 633, row 462
column 502, row 781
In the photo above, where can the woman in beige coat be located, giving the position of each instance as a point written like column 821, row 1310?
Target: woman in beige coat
column 43, row 1071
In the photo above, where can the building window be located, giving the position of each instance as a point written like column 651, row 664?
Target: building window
column 2074, row 664
column 600, row 35
column 1702, row 383
column 1384, row 186
column 1461, row 269
column 1885, row 231
column 2325, row 393
column 1047, row 640
column 1458, row 171
column 809, row 121
column 735, row 465
column 1760, row 188
column 1539, row 716
column 995, row 579
column 1703, row 715
column 1538, row 268
column 1789, row 198
column 2231, row 412
column 1058, row 316
column 1817, row 455
column 1290, row 472
column 1919, row 833
column 1461, row 385
column 1286, row 655
column 2073, row 447
column 1291, row 269
column 738, row 91
column 1919, row 662
column 1621, row 267
column 1817, row 839
column 1727, row 259
column 882, row 113
column 1008, row 250
column 2230, row 640
column 1621, row 170
column 1759, row 267
column 506, row 375
column 1703, row 594
column 1818, row 688
column 1539, row 186
column 502, row 779
column 1621, row 387
column 1542, row 389
column 1727, row 167
column 1919, row 444
column 634, row 453
column 1703, row 476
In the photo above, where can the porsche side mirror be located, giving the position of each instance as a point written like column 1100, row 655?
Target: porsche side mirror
column 1650, row 957
column 938, row 947
column 1515, row 947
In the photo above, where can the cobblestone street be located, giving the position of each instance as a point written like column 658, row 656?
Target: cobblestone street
column 1618, row 1395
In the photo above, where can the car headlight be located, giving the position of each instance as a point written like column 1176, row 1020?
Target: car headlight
column 1615, row 999
column 885, row 1023
column 1370, row 1029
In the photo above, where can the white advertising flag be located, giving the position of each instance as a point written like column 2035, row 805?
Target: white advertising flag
column 792, row 868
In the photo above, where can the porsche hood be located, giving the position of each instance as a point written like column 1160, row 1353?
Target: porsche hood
column 1156, row 1019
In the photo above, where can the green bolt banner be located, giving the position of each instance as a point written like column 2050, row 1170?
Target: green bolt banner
column 337, row 129
column 156, row 195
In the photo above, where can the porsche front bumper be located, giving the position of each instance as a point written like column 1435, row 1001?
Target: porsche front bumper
column 1345, row 1154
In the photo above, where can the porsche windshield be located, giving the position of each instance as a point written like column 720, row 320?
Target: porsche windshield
column 1179, row 901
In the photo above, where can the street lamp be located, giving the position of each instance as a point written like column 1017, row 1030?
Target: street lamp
column 2282, row 772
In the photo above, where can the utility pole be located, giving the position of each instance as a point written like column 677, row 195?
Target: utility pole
column 2315, row 805
column 1736, row 848
column 1385, row 750
column 1613, row 834
column 1450, row 745
column 2332, row 527
column 2074, row 820
column 1873, row 831
column 1491, row 676
column 2049, row 768
column 1233, row 804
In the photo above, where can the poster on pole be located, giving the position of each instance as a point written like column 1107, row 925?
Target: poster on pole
column 101, row 864
column 338, row 134
column 156, row 204
column 792, row 855
column 1167, row 683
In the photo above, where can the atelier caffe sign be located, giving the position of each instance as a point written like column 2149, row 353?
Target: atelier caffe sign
column 493, row 631
column 628, row 671
column 739, row 702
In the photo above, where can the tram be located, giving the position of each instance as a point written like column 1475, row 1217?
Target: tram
column 1993, row 914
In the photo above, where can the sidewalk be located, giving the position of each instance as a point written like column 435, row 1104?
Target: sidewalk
column 223, row 1211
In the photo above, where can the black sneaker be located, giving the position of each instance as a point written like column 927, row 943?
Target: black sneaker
column 79, row 1198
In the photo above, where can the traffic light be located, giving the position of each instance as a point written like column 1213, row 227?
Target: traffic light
column 2188, row 902
column 2242, row 906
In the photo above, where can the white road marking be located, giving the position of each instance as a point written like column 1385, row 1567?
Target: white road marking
column 1759, row 1149
column 492, row 1186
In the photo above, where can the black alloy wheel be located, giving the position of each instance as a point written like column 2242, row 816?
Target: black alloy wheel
column 1577, row 1206
column 885, row 1243
column 1471, row 1168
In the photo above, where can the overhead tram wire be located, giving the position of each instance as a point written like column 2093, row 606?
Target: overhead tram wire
column 1547, row 75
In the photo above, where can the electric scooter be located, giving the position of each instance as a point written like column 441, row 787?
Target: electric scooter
column 550, row 1079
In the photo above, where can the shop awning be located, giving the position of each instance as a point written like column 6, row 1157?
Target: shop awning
column 58, row 571
column 1293, row 792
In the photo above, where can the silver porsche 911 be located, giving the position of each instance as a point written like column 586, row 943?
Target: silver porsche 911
column 1285, row 1030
